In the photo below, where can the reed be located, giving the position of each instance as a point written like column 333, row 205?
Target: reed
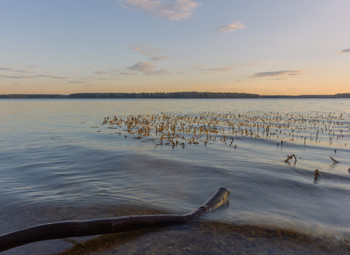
column 174, row 129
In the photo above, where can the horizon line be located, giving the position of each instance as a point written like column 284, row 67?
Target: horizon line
column 179, row 94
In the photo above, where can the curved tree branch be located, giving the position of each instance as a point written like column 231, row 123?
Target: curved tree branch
column 66, row 229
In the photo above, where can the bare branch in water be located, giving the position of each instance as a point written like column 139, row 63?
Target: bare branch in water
column 290, row 157
column 66, row 229
column 334, row 160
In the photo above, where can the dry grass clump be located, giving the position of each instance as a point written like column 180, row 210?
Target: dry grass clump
column 177, row 129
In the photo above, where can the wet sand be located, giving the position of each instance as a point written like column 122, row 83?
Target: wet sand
column 197, row 237
column 205, row 238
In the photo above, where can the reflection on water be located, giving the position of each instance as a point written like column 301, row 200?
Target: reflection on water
column 59, row 163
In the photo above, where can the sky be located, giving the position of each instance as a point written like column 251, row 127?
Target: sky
column 267, row 47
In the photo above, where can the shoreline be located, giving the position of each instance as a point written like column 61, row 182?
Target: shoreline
column 207, row 238
column 167, row 95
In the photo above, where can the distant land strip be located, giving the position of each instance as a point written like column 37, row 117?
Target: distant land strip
column 193, row 94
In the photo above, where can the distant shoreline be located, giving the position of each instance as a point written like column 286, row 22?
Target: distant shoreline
column 164, row 95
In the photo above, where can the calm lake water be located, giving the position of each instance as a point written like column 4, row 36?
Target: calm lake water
column 58, row 162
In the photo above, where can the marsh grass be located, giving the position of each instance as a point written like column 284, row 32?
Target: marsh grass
column 181, row 130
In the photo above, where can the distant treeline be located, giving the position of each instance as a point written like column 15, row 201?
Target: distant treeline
column 192, row 94
column 341, row 95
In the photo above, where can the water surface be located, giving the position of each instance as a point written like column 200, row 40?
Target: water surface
column 59, row 162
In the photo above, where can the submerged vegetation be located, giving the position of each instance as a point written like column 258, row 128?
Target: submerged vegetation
column 177, row 129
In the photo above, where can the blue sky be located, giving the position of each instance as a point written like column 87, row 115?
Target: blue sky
column 252, row 46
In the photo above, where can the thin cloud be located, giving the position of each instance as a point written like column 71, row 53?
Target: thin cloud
column 178, row 9
column 13, row 70
column 13, row 73
column 222, row 69
column 146, row 50
column 32, row 76
column 230, row 28
column 77, row 82
column 160, row 58
column 109, row 72
column 127, row 73
column 12, row 76
column 217, row 69
column 214, row 69
column 275, row 74
column 156, row 72
column 49, row 76
column 101, row 72
column 141, row 67
column 345, row 51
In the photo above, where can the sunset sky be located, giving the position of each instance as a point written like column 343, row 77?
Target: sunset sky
column 266, row 47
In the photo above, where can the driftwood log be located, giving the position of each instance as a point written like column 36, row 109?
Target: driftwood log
column 66, row 229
